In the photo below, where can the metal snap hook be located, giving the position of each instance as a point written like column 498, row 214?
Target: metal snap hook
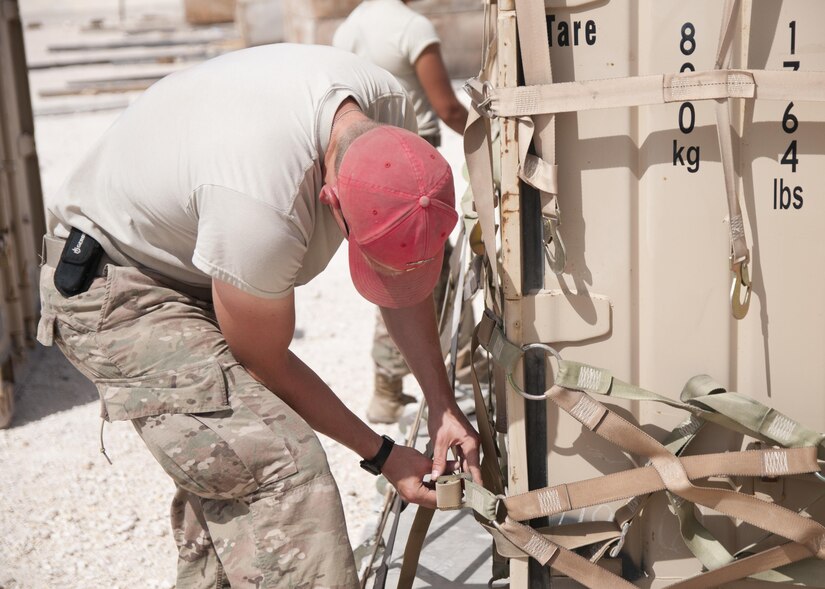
column 480, row 96
column 741, row 278
column 557, row 259
column 547, row 349
column 614, row 551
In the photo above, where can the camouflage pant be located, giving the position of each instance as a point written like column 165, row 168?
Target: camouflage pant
column 256, row 504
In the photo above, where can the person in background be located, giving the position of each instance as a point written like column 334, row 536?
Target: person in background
column 393, row 36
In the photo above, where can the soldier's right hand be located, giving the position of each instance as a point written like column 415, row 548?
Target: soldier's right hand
column 406, row 468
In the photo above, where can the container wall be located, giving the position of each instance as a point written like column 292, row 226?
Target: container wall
column 644, row 222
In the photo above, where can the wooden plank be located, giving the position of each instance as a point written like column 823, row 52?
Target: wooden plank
column 127, row 43
column 52, row 111
column 23, row 201
column 150, row 78
column 98, row 88
column 160, row 57
column 511, row 274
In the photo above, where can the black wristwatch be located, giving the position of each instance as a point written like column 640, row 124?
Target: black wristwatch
column 375, row 465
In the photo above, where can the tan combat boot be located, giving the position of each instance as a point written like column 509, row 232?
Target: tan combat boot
column 388, row 400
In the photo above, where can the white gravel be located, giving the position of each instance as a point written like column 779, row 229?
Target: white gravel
column 68, row 518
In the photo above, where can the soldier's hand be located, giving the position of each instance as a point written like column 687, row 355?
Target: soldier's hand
column 449, row 428
column 406, row 468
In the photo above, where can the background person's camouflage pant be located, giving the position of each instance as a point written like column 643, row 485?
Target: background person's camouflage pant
column 256, row 505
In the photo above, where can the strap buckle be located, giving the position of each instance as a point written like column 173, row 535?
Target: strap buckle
column 741, row 278
column 548, row 350
column 481, row 96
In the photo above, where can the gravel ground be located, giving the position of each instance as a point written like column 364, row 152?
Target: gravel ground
column 67, row 517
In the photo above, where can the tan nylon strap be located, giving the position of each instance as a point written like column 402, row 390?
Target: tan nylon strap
column 505, row 353
column 644, row 480
column 478, row 153
column 740, row 569
column 724, row 501
column 569, row 536
column 537, row 69
column 767, row 516
column 593, row 576
column 493, row 479
column 539, row 169
column 549, row 554
column 726, row 34
column 739, row 252
column 524, row 101
column 415, row 542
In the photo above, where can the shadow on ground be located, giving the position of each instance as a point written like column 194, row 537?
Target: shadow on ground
column 48, row 384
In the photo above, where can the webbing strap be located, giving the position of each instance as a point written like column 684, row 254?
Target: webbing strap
column 750, row 463
column 493, row 479
column 549, row 554
column 767, row 516
column 525, row 101
column 478, row 154
column 759, row 420
column 415, row 542
column 572, row 379
column 704, row 399
column 746, row 567
column 739, row 252
column 593, row 576
column 570, row 536
column 646, row 479
column 539, row 169
column 701, row 396
column 505, row 353
column 810, row 535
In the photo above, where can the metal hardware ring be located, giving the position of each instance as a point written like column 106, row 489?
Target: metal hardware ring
column 518, row 389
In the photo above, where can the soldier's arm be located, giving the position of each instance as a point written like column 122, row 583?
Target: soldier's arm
column 415, row 332
column 259, row 332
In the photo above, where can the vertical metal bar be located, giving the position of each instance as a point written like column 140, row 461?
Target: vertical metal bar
column 535, row 412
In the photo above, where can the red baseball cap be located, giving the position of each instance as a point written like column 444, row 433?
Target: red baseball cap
column 396, row 194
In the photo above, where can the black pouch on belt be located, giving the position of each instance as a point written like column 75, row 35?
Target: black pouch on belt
column 78, row 264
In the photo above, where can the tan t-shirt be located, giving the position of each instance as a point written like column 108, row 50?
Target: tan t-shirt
column 392, row 35
column 215, row 171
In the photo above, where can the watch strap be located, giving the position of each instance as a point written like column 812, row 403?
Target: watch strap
column 375, row 465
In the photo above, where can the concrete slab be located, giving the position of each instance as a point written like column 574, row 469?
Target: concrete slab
column 456, row 553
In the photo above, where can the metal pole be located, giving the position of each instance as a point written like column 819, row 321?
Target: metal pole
column 535, row 412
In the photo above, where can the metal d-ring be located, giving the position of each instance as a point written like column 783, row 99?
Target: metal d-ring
column 512, row 381
column 820, row 476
